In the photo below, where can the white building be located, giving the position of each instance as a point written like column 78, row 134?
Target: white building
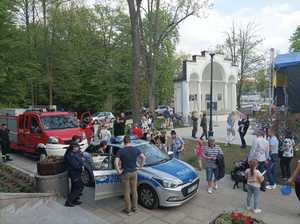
column 192, row 85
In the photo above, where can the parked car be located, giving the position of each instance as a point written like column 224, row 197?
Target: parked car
column 163, row 181
column 103, row 116
column 161, row 109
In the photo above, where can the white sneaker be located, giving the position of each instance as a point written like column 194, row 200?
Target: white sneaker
column 215, row 187
column 269, row 187
column 256, row 211
column 274, row 186
column 209, row 190
column 248, row 208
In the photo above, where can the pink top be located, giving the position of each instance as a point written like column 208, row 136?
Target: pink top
column 199, row 151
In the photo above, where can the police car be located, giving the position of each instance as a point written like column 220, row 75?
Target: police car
column 163, row 181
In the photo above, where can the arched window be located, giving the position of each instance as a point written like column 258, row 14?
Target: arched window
column 218, row 72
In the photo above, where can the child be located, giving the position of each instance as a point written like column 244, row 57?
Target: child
column 199, row 151
column 254, row 180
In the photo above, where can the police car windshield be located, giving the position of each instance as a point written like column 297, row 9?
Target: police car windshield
column 59, row 122
column 153, row 154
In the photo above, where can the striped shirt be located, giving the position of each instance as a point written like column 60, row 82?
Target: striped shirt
column 212, row 152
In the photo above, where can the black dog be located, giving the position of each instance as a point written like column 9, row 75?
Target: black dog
column 238, row 174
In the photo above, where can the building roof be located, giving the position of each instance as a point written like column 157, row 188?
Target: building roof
column 283, row 61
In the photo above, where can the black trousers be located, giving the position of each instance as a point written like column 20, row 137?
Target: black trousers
column 297, row 189
column 204, row 133
column 194, row 131
column 242, row 136
column 285, row 166
column 5, row 148
column 76, row 186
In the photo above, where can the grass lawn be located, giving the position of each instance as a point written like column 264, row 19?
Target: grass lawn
column 231, row 153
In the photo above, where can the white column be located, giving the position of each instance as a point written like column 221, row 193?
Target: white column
column 185, row 99
column 234, row 96
column 225, row 97
column 199, row 96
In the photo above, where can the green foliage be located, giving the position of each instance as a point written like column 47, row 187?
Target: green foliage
column 262, row 83
column 86, row 50
column 248, row 88
column 295, row 40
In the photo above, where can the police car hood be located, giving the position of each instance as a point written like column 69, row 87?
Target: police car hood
column 173, row 169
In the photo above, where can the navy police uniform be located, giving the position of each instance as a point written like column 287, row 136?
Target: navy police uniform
column 74, row 164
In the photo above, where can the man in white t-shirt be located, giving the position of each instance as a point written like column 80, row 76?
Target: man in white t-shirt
column 260, row 152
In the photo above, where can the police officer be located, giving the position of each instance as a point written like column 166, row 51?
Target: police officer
column 4, row 140
column 74, row 164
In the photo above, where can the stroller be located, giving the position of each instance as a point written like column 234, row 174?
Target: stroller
column 238, row 174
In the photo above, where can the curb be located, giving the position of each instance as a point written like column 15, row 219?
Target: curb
column 9, row 196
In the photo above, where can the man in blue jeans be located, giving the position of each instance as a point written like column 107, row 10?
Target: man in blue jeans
column 274, row 146
column 211, row 153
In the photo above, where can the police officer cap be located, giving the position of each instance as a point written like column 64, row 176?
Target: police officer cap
column 74, row 145
column 76, row 138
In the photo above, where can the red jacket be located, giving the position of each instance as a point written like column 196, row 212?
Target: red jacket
column 137, row 132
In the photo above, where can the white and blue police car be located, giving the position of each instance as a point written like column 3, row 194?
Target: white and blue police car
column 163, row 181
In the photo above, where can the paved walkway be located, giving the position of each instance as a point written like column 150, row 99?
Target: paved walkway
column 219, row 129
column 203, row 208
column 35, row 210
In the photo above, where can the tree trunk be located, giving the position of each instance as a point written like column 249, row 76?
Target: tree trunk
column 154, row 46
column 151, row 88
column 26, row 5
column 134, row 11
column 33, row 12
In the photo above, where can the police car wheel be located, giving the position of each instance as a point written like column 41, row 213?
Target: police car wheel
column 147, row 197
column 87, row 178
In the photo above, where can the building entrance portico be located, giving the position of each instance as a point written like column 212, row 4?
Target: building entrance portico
column 192, row 86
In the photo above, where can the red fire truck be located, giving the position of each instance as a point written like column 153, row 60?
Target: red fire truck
column 30, row 127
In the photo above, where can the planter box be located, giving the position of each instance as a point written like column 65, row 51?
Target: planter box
column 226, row 218
column 54, row 167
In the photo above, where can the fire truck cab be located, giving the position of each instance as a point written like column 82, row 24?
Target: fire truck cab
column 28, row 128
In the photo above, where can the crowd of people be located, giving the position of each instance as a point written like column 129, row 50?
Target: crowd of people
column 267, row 154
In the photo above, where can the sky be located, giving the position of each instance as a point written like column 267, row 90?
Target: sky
column 276, row 21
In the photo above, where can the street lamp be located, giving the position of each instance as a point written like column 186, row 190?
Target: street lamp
column 210, row 131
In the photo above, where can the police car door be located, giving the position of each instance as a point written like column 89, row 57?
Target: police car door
column 107, row 183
